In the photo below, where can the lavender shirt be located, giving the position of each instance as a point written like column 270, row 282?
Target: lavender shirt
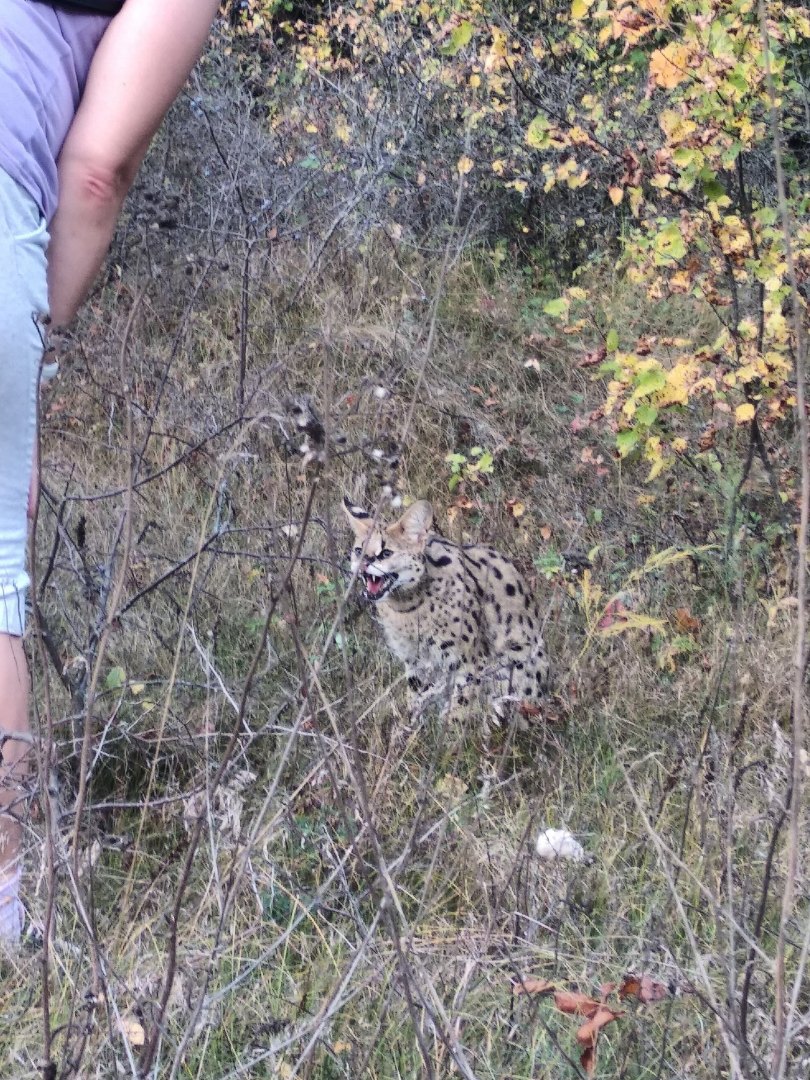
column 44, row 58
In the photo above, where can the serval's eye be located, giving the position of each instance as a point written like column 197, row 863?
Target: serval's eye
column 386, row 553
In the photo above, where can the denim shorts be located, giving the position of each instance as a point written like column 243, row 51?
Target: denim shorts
column 23, row 304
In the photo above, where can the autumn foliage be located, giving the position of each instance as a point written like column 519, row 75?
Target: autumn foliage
column 658, row 148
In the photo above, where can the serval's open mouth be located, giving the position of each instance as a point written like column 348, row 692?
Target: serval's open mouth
column 377, row 582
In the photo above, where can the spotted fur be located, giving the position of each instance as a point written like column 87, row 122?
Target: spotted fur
column 461, row 619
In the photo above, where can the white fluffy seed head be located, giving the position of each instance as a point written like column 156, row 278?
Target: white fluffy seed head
column 559, row 844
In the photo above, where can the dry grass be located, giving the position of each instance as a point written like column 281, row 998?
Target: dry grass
column 361, row 890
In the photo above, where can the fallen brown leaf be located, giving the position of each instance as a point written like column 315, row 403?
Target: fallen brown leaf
column 593, row 358
column 615, row 612
column 515, row 507
column 579, row 423
column 533, row 986
column 587, row 1059
column 576, row 1003
column 707, row 439
column 642, row 987
column 589, row 1033
column 529, row 711
column 685, row 621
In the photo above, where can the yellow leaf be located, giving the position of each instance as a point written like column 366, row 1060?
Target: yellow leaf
column 668, row 67
column 744, row 413
column 578, row 181
column 631, row 620
column 636, row 199
column 578, row 135
column 616, row 195
column 657, row 468
column 579, row 8
column 465, row 164
column 675, row 126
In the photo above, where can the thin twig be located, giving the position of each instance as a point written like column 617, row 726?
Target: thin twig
column 780, row 1049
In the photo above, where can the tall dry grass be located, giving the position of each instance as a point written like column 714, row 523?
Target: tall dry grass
column 243, row 857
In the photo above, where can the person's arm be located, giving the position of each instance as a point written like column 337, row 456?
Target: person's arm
column 140, row 66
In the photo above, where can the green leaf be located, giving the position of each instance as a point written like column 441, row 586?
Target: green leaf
column 609, row 367
column 556, row 308
column 626, row 441
column 713, row 190
column 537, row 133
column 767, row 215
column 737, row 78
column 461, row 36
column 685, row 156
column 669, row 244
column 648, row 382
column 612, row 341
column 549, row 564
column 116, row 677
column 720, row 43
column 646, row 414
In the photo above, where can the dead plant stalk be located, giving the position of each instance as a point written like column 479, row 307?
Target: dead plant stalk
column 781, row 1041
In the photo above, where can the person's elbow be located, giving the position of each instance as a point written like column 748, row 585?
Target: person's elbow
column 96, row 182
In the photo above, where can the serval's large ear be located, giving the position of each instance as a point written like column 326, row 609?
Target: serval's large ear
column 415, row 523
column 359, row 519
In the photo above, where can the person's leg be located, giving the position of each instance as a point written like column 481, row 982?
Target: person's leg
column 23, row 300
column 16, row 762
